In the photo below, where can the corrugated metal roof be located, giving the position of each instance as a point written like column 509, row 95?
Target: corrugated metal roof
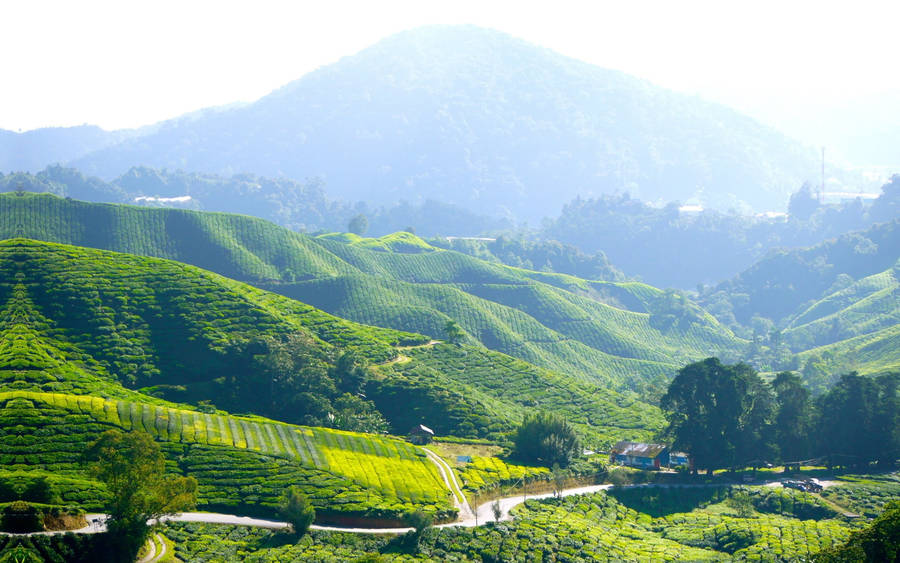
column 638, row 449
column 421, row 428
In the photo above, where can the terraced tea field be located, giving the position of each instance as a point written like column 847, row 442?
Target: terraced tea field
column 595, row 527
column 606, row 333
column 397, row 473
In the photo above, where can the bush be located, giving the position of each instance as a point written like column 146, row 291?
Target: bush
column 19, row 517
column 547, row 439
column 297, row 510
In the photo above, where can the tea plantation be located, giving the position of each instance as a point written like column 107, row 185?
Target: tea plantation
column 77, row 320
column 582, row 528
column 619, row 334
column 233, row 458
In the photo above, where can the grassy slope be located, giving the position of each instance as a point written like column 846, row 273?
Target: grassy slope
column 341, row 471
column 864, row 317
column 866, row 306
column 600, row 331
column 82, row 318
column 694, row 525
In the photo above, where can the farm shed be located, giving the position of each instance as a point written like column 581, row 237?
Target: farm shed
column 638, row 454
column 421, row 434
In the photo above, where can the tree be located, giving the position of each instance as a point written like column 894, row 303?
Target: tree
column 419, row 521
column 886, row 420
column 845, row 422
column 803, row 203
column 546, row 439
column 793, row 418
column 859, row 420
column 40, row 490
column 453, row 332
column 296, row 509
column 880, row 541
column 719, row 413
column 559, row 476
column 132, row 467
column 358, row 225
column 497, row 510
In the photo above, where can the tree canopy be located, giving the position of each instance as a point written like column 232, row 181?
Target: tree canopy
column 547, row 439
column 726, row 416
column 719, row 413
column 132, row 467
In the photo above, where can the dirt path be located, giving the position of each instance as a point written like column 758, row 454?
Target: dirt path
column 152, row 555
column 462, row 504
column 151, row 550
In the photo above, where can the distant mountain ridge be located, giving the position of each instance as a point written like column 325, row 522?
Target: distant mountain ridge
column 31, row 151
column 477, row 118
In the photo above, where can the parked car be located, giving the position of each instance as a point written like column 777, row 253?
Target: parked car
column 806, row 485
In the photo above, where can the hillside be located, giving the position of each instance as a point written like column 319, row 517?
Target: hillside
column 788, row 281
column 621, row 334
column 80, row 319
column 33, row 150
column 86, row 334
column 476, row 118
column 856, row 328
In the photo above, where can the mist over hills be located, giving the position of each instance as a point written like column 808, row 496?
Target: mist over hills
column 33, row 150
column 477, row 118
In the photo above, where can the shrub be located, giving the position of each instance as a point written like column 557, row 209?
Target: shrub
column 547, row 439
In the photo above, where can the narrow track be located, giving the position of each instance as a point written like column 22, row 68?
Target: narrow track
column 462, row 504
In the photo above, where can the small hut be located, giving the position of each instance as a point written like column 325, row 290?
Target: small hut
column 421, row 435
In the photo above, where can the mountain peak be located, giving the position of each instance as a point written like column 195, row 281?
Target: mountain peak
column 477, row 118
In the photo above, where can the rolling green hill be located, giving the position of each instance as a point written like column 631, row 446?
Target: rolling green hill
column 623, row 334
column 84, row 333
column 865, row 306
column 788, row 281
column 87, row 321
column 856, row 328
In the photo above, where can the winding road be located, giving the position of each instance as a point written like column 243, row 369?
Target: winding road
column 482, row 514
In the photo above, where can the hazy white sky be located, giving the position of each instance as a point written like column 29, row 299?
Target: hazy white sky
column 125, row 64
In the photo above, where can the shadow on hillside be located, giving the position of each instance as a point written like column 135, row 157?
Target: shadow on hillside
column 662, row 501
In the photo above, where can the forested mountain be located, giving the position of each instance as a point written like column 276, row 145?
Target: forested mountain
column 300, row 206
column 474, row 117
column 788, row 281
column 31, row 151
column 673, row 247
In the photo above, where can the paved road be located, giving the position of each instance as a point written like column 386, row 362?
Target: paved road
column 485, row 512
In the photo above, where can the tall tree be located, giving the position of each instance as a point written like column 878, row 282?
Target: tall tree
column 793, row 418
column 845, row 428
column 358, row 225
column 132, row 467
column 297, row 510
column 719, row 413
column 886, row 420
